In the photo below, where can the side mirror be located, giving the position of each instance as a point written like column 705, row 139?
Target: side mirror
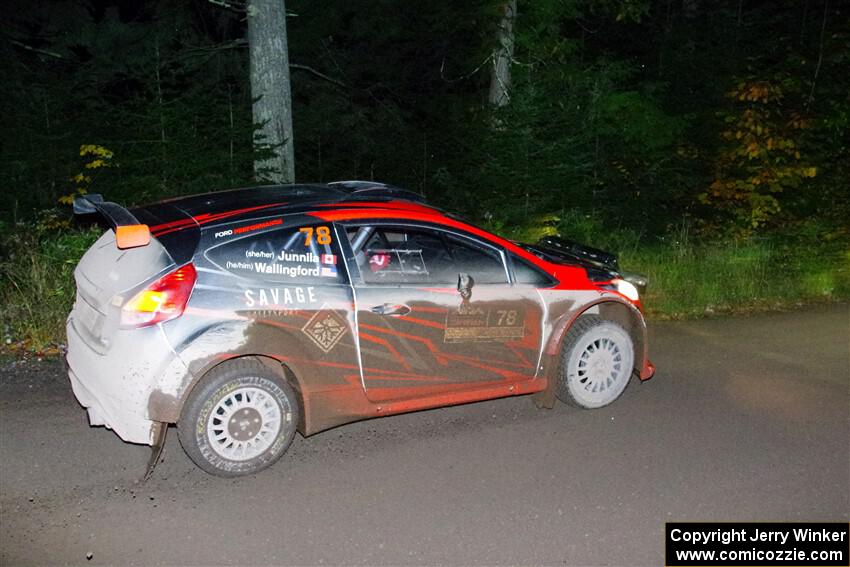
column 465, row 284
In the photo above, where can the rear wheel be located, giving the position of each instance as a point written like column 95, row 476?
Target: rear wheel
column 239, row 419
column 597, row 363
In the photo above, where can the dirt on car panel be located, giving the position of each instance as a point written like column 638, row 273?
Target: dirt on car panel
column 265, row 291
column 472, row 343
column 563, row 309
column 480, row 340
column 315, row 340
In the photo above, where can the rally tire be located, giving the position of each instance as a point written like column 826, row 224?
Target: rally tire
column 597, row 363
column 239, row 419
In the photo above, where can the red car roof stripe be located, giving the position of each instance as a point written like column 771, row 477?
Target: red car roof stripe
column 205, row 218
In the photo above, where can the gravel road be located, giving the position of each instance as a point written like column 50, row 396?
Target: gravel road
column 747, row 419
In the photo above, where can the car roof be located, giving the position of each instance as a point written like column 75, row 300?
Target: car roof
column 220, row 207
column 176, row 222
column 289, row 197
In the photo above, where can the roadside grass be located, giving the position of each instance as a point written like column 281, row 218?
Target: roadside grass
column 37, row 284
column 687, row 278
column 694, row 278
column 702, row 280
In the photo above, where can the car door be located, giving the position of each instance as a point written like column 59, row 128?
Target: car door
column 282, row 285
column 437, row 312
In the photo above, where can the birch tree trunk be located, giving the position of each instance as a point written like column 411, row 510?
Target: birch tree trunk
column 500, row 72
column 270, row 89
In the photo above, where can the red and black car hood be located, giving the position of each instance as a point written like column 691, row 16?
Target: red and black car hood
column 599, row 264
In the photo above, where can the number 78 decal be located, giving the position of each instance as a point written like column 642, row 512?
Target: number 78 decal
column 323, row 235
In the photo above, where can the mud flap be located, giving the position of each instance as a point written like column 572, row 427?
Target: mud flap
column 545, row 399
column 160, row 429
column 63, row 359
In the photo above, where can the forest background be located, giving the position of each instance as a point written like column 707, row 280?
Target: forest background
column 704, row 142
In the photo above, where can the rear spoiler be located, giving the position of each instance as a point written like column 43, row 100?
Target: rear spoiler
column 129, row 232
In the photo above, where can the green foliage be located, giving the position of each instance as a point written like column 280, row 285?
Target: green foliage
column 637, row 121
column 620, row 128
column 614, row 108
column 532, row 231
column 689, row 280
column 577, row 132
column 690, row 277
column 150, row 86
column 762, row 157
column 37, row 263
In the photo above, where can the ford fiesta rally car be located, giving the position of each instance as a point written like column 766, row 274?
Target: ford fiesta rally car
column 244, row 316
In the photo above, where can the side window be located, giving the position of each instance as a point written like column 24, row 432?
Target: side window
column 398, row 255
column 525, row 273
column 483, row 264
column 302, row 254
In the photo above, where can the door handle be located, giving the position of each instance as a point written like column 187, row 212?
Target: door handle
column 391, row 309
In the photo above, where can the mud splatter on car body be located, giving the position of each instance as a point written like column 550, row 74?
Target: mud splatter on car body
column 361, row 298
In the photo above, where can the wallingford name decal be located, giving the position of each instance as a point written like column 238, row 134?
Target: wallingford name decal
column 316, row 266
column 291, row 271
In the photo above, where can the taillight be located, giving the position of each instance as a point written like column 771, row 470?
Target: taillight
column 163, row 300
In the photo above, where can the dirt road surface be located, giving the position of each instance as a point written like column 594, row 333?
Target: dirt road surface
column 747, row 419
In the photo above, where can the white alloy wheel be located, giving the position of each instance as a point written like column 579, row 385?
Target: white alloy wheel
column 598, row 362
column 239, row 419
column 243, row 424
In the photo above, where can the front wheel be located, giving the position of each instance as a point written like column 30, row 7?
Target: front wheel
column 239, row 419
column 597, row 364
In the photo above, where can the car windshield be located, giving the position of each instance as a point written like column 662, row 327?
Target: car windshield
column 537, row 252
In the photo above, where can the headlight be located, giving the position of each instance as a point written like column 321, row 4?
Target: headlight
column 638, row 280
column 628, row 289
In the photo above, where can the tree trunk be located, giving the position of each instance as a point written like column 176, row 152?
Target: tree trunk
column 500, row 72
column 270, row 89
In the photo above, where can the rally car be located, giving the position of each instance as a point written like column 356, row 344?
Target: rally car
column 244, row 316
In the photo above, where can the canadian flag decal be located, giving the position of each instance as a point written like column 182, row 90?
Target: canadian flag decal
column 329, row 259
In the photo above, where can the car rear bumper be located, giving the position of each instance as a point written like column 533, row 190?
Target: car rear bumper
column 130, row 428
column 115, row 387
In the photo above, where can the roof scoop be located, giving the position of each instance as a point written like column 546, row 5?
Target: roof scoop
column 373, row 189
